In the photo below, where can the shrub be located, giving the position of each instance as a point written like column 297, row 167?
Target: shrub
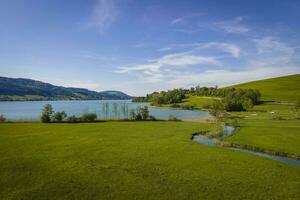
column 144, row 112
column 59, row 116
column 89, row 117
column 138, row 117
column 173, row 118
column 2, row 118
column 73, row 119
column 47, row 113
column 132, row 114
column 216, row 108
column 152, row 118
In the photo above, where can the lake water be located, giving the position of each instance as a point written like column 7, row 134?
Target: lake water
column 31, row 110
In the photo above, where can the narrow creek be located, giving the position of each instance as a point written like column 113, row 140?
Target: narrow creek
column 202, row 139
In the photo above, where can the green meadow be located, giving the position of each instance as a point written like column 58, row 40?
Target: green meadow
column 285, row 88
column 132, row 160
column 157, row 159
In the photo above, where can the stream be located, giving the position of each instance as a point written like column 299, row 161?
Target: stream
column 202, row 139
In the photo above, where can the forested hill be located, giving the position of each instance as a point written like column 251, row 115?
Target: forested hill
column 285, row 88
column 14, row 89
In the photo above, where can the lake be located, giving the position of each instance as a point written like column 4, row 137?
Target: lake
column 31, row 110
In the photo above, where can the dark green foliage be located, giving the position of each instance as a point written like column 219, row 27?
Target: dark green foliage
column 240, row 100
column 152, row 118
column 59, row 116
column 89, row 117
column 163, row 97
column 140, row 114
column 2, row 118
column 47, row 113
column 216, row 108
column 140, row 99
column 144, row 112
column 233, row 99
column 73, row 119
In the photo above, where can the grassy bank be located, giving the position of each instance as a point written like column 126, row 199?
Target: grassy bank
column 132, row 160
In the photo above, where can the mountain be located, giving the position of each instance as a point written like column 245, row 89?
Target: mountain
column 285, row 88
column 13, row 89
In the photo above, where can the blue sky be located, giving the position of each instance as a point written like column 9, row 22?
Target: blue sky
column 142, row 46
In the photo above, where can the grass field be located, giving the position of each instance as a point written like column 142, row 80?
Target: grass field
column 285, row 88
column 132, row 160
column 265, row 134
column 198, row 102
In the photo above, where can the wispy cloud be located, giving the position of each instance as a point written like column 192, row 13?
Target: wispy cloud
column 103, row 15
column 271, row 51
column 229, row 48
column 232, row 26
column 176, row 20
column 167, row 61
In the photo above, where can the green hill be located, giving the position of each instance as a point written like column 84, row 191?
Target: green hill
column 286, row 88
column 14, row 89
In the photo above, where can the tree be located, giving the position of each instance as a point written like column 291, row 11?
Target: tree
column 216, row 108
column 247, row 104
column 59, row 116
column 144, row 112
column 132, row 114
column 89, row 117
column 47, row 113
column 2, row 118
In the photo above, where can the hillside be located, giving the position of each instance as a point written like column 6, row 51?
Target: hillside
column 286, row 88
column 12, row 89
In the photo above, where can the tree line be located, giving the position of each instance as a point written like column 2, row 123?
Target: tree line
column 233, row 99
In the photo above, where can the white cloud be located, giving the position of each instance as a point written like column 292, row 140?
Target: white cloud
column 104, row 14
column 229, row 48
column 226, row 47
column 232, row 26
column 176, row 21
column 272, row 52
column 171, row 60
column 184, row 60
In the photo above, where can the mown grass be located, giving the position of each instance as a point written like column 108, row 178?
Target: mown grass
column 132, row 160
column 198, row 102
column 285, row 88
column 281, row 136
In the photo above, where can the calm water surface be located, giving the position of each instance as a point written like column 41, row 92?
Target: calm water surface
column 31, row 110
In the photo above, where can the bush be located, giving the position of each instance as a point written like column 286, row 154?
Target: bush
column 138, row 117
column 47, row 113
column 216, row 108
column 2, row 118
column 152, row 118
column 73, row 119
column 59, row 116
column 89, row 117
column 173, row 118
column 144, row 112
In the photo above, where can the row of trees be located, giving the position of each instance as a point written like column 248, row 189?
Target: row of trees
column 48, row 115
column 233, row 99
column 138, row 114
column 163, row 97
